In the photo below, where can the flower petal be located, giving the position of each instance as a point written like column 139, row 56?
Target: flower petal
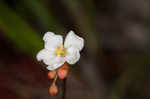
column 73, row 55
column 45, row 54
column 73, row 40
column 50, row 58
column 57, row 62
column 52, row 41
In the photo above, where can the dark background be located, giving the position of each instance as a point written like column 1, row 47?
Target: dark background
column 114, row 63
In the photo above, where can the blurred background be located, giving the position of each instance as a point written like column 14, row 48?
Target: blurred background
column 114, row 64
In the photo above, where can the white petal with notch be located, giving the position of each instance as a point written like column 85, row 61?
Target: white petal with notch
column 52, row 41
column 73, row 40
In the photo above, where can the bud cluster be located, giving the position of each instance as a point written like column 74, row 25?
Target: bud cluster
column 60, row 73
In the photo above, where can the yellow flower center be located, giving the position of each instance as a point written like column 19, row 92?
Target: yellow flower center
column 61, row 51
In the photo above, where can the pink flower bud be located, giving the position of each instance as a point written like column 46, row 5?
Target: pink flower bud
column 53, row 90
column 52, row 74
column 63, row 71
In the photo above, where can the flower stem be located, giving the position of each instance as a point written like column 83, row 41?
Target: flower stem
column 64, row 88
column 55, row 79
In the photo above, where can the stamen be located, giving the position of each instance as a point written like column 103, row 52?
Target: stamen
column 61, row 51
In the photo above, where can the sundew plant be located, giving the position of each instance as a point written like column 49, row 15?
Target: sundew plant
column 74, row 49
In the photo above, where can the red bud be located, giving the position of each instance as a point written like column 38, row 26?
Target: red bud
column 52, row 74
column 53, row 90
column 63, row 71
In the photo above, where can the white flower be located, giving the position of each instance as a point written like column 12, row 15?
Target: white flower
column 55, row 53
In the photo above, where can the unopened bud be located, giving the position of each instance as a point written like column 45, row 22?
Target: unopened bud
column 63, row 71
column 53, row 90
column 52, row 74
